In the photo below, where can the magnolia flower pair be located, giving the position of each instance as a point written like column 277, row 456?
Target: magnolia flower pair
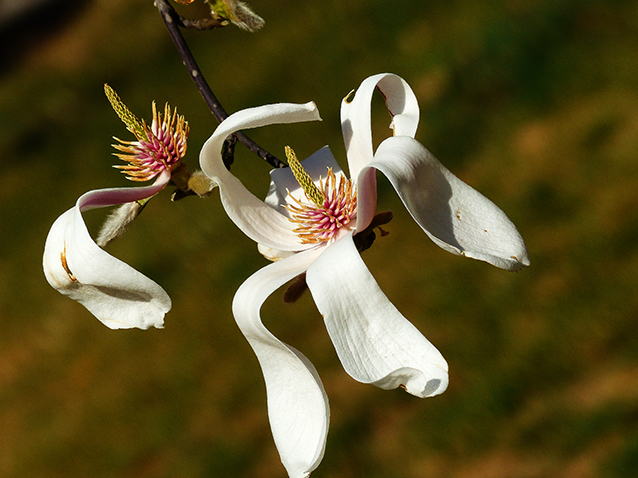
column 310, row 222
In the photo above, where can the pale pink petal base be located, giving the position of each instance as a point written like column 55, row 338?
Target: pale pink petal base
column 118, row 295
column 357, row 132
column 297, row 403
column 375, row 343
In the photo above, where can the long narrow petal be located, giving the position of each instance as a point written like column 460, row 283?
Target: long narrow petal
column 355, row 116
column 257, row 220
column 455, row 216
column 297, row 403
column 118, row 295
column 375, row 343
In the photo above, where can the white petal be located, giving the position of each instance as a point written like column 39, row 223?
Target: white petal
column 455, row 216
column 375, row 343
column 118, row 295
column 256, row 219
column 355, row 116
column 297, row 403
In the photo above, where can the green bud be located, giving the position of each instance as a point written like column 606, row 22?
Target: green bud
column 237, row 13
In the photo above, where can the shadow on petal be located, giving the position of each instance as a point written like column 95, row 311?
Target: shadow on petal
column 454, row 215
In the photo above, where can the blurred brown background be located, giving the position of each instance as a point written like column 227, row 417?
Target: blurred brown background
column 535, row 104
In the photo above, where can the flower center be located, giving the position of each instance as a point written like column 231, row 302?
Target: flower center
column 330, row 207
column 158, row 148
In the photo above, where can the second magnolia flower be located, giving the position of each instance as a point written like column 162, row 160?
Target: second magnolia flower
column 302, row 233
column 118, row 295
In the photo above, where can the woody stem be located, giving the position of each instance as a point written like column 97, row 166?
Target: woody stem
column 173, row 22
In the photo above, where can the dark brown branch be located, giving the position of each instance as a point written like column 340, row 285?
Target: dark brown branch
column 173, row 22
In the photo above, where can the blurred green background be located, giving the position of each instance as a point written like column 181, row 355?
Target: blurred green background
column 535, row 104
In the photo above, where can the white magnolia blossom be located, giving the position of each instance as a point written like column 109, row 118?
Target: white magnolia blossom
column 374, row 342
column 118, row 295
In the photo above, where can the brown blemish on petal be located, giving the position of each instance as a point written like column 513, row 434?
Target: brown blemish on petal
column 66, row 266
column 349, row 97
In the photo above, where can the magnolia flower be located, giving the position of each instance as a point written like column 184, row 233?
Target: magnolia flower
column 310, row 222
column 118, row 295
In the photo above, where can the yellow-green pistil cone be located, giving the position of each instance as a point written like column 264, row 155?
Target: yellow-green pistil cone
column 132, row 122
column 303, row 178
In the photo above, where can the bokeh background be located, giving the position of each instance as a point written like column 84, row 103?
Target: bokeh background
column 535, row 104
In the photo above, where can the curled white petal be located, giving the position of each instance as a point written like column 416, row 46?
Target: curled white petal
column 118, row 295
column 454, row 215
column 257, row 220
column 355, row 116
column 375, row 343
column 297, row 403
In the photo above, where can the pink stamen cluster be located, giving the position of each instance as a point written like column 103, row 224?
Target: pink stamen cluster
column 318, row 224
column 160, row 149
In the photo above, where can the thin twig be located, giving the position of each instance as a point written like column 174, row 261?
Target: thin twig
column 201, row 24
column 173, row 22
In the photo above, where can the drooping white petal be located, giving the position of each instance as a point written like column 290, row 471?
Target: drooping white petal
column 355, row 116
column 297, row 403
column 454, row 215
column 118, row 295
column 257, row 220
column 375, row 343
